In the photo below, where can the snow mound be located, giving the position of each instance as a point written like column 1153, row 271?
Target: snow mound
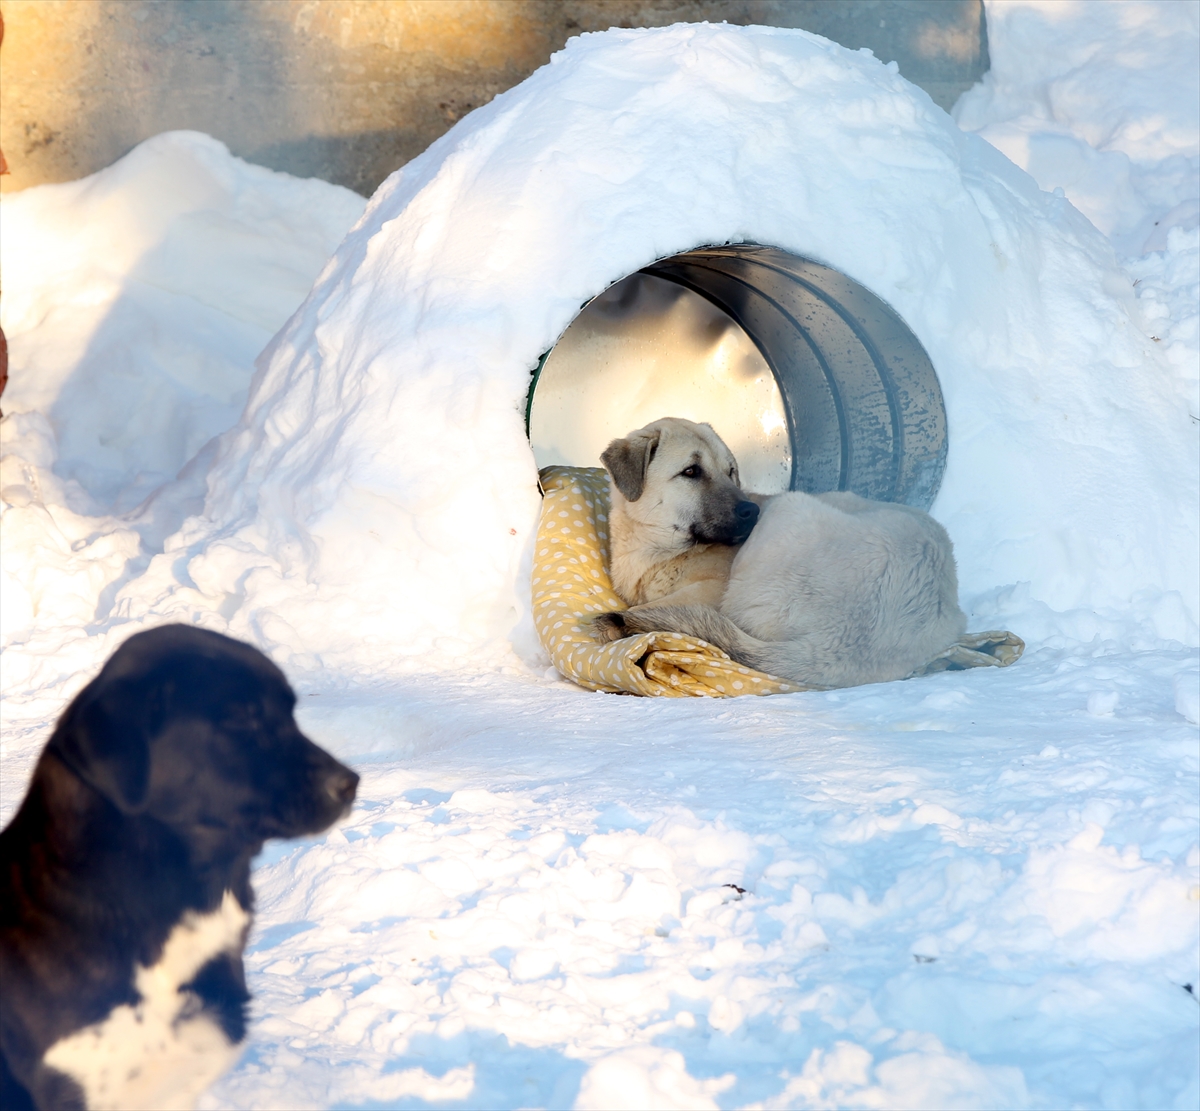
column 373, row 509
column 136, row 299
column 135, row 302
column 378, row 496
column 1101, row 101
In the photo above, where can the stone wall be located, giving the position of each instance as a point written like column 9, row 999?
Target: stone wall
column 347, row 90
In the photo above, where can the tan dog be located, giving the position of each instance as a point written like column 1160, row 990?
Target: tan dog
column 829, row 590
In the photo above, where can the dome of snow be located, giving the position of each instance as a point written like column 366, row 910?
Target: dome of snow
column 378, row 498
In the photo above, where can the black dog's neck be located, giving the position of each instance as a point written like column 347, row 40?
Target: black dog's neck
column 131, row 870
column 88, row 894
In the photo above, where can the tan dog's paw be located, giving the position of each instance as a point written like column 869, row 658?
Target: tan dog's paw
column 607, row 627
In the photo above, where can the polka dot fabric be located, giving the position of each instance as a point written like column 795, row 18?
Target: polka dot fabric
column 571, row 583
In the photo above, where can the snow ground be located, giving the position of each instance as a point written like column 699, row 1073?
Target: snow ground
column 965, row 891
column 969, row 890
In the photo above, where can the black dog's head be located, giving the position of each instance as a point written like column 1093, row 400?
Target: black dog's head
column 196, row 730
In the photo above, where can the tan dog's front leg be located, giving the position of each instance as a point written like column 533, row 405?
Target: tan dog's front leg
column 607, row 627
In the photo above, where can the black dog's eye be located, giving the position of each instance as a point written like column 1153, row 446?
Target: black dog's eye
column 242, row 718
column 691, row 472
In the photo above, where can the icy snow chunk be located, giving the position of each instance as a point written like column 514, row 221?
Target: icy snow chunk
column 1186, row 685
column 1100, row 902
column 923, row 1074
column 1089, row 839
column 650, row 1078
column 533, row 964
column 1103, row 703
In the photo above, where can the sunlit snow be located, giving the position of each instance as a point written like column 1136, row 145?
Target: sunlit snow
column 976, row 889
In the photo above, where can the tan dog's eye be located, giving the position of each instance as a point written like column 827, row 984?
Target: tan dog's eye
column 691, row 472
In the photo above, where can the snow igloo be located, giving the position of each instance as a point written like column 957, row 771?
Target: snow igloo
column 377, row 501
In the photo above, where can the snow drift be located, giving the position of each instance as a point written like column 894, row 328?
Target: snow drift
column 379, row 490
column 136, row 299
column 976, row 889
column 377, row 498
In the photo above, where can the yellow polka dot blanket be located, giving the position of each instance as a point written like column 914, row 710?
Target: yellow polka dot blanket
column 570, row 584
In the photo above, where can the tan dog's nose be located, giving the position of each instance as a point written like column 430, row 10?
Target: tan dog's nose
column 746, row 515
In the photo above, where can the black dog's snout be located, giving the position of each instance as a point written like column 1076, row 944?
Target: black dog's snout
column 341, row 785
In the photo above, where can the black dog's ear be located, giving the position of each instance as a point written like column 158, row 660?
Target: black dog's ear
column 106, row 741
column 627, row 461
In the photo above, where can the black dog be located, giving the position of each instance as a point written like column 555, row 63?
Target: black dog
column 125, row 876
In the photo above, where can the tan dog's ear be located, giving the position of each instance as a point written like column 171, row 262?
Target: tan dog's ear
column 628, row 459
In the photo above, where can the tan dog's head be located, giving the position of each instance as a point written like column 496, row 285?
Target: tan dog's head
column 677, row 481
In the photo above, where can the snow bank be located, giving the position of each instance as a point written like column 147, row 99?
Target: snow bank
column 1101, row 104
column 1101, row 101
column 377, row 496
column 136, row 299
column 135, row 302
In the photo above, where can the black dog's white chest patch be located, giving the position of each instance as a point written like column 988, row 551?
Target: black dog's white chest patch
column 163, row 1051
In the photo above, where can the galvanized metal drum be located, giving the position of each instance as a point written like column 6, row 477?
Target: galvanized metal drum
column 812, row 380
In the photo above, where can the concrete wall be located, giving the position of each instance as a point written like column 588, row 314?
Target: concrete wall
column 347, row 90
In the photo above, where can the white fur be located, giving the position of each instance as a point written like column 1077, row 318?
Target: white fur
column 854, row 591
column 152, row 1055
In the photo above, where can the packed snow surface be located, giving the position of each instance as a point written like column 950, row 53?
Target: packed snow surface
column 970, row 890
